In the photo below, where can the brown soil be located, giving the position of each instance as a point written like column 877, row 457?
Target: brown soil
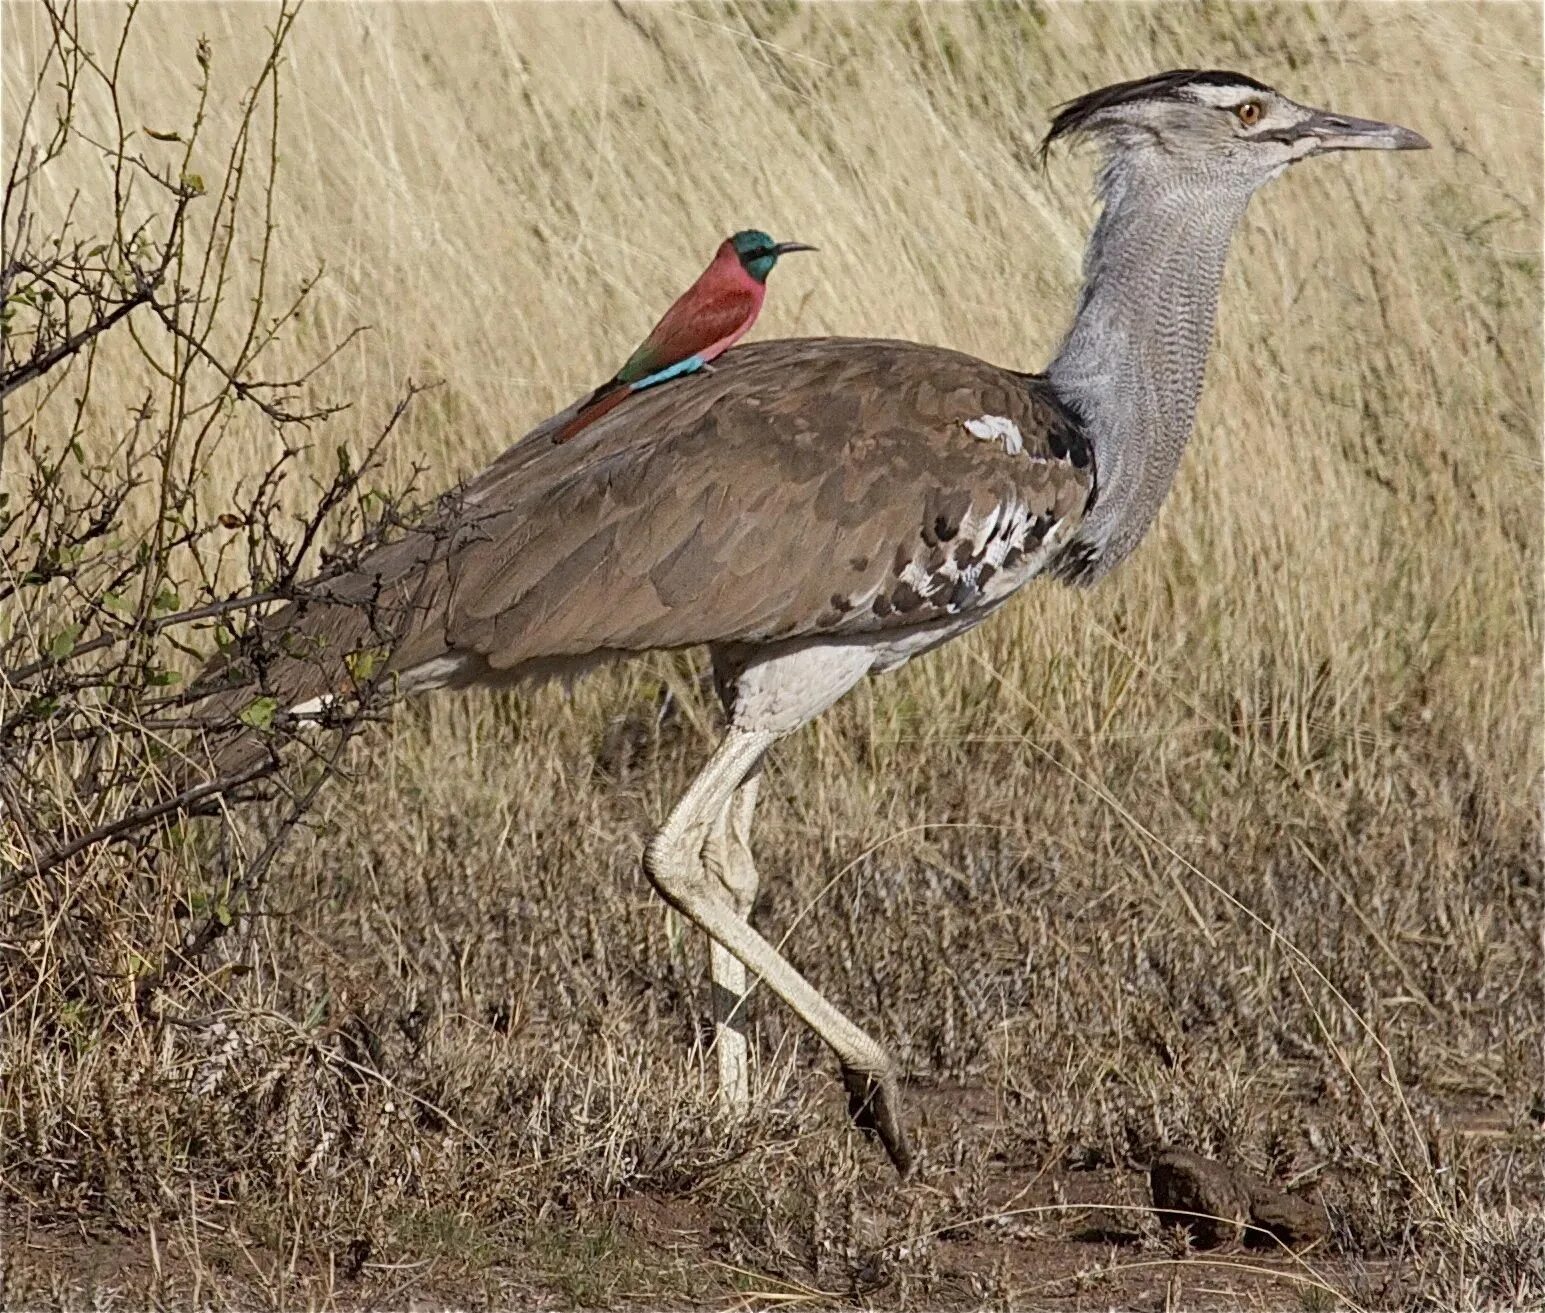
column 1063, row 1240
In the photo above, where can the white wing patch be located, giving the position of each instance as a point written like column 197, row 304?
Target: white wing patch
column 997, row 428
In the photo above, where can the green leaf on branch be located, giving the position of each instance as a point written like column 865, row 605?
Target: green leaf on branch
column 364, row 663
column 63, row 643
column 259, row 713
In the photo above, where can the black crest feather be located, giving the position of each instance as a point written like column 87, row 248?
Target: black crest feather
column 1074, row 114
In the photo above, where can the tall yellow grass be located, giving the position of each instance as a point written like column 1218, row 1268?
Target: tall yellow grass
column 509, row 193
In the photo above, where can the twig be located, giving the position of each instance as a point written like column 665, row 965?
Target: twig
column 131, row 821
column 42, row 364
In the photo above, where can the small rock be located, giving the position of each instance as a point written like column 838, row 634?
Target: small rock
column 1288, row 1218
column 1202, row 1196
column 1216, row 1203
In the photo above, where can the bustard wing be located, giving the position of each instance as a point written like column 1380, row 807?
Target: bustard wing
column 805, row 487
column 824, row 486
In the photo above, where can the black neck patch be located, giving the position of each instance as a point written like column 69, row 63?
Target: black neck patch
column 1068, row 437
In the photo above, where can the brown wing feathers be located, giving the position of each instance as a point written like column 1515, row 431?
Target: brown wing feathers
column 803, row 487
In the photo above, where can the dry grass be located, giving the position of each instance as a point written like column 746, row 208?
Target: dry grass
column 1238, row 851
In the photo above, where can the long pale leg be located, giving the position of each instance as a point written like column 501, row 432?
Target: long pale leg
column 727, row 854
column 674, row 864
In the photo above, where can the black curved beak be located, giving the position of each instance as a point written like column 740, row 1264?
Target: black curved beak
column 783, row 248
column 1329, row 131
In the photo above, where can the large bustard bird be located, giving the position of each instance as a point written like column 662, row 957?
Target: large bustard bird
column 814, row 511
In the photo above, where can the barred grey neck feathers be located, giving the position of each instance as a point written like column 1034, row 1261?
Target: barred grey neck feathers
column 1132, row 364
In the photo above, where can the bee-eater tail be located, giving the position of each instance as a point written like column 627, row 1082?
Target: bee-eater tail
column 601, row 401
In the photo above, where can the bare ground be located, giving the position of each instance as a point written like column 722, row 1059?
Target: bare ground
column 1012, row 1234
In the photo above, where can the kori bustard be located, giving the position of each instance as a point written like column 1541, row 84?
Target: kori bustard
column 814, row 511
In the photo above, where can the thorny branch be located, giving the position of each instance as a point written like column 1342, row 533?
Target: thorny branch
column 116, row 571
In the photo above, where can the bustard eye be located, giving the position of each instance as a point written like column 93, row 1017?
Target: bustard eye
column 1249, row 113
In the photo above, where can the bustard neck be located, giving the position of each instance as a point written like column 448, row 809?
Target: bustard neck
column 1133, row 361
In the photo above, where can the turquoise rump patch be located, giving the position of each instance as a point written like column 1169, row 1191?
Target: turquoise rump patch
column 688, row 366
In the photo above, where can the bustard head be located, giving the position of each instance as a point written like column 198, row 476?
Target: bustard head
column 758, row 252
column 1184, row 153
column 1224, row 126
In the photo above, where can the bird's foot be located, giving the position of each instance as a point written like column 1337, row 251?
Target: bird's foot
column 874, row 1103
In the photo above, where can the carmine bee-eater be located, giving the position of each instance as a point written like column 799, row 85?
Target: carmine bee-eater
column 708, row 318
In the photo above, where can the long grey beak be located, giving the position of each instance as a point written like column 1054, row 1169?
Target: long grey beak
column 783, row 248
column 1341, row 132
